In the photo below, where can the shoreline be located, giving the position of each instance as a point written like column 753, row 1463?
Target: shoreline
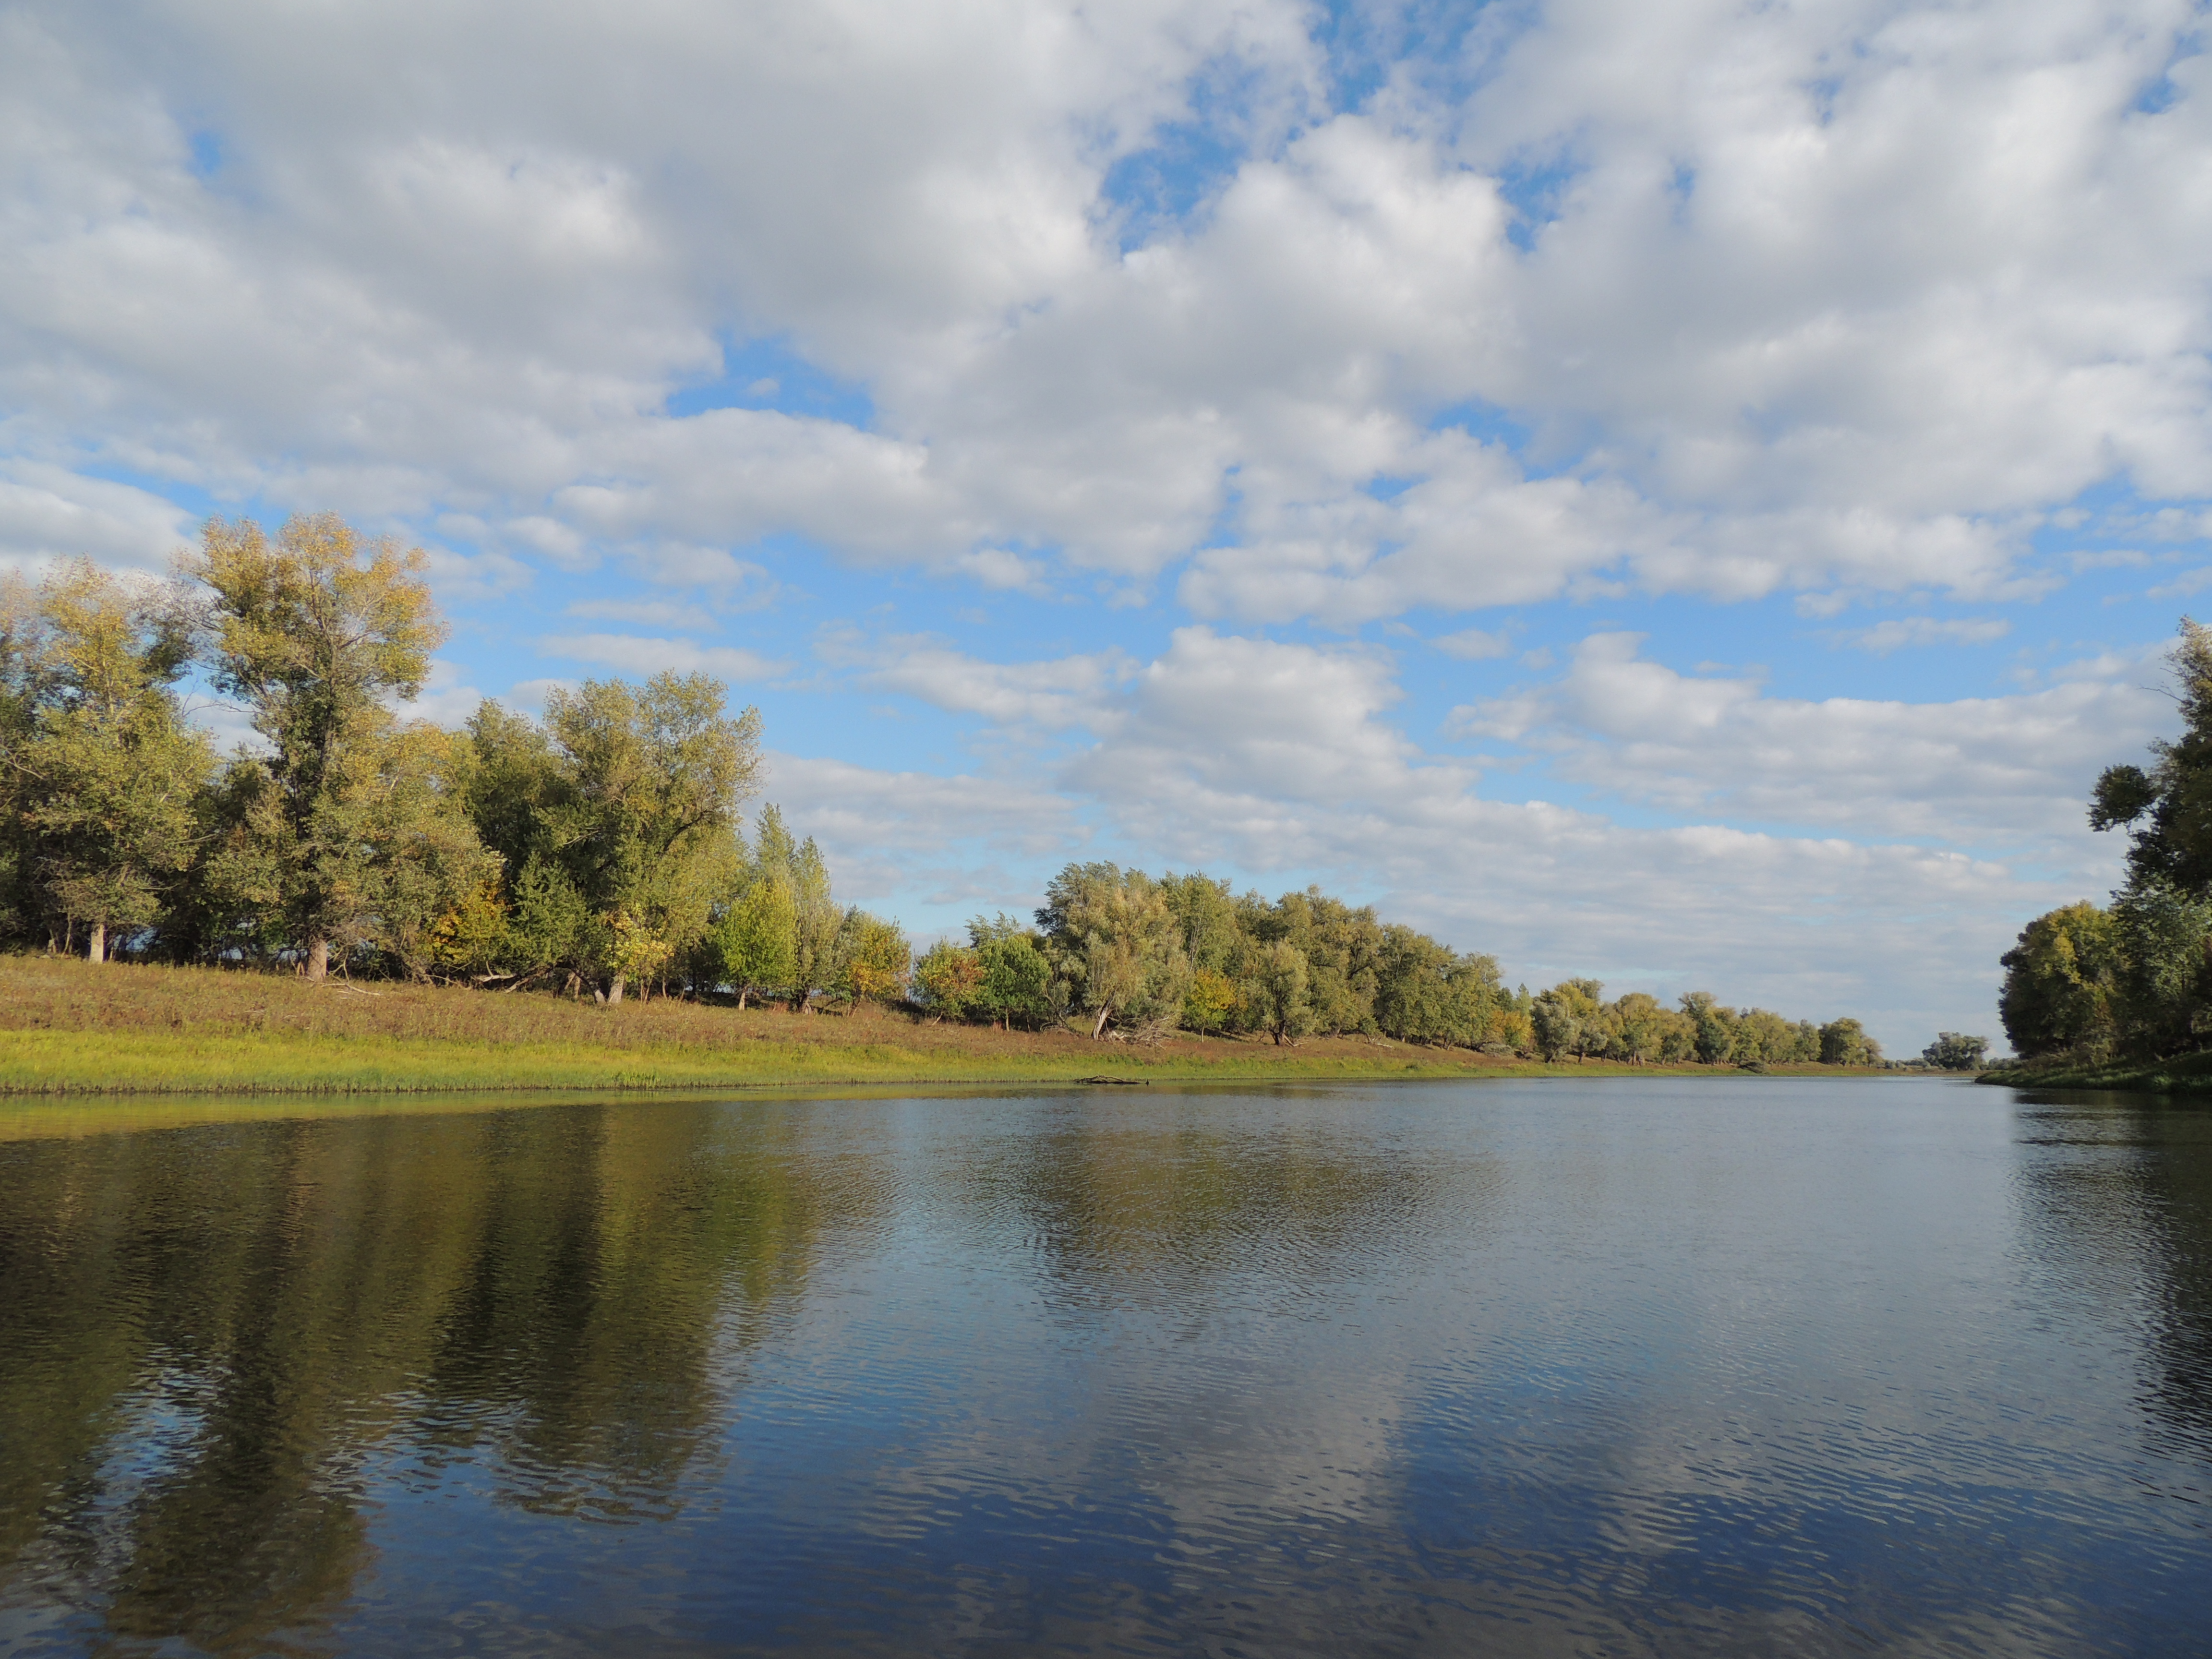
column 70, row 1029
column 38, row 1065
column 2185, row 1075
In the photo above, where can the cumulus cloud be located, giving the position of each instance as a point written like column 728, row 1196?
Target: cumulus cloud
column 447, row 699
column 1281, row 761
column 1474, row 645
column 1051, row 696
column 1842, row 302
column 917, row 839
column 1975, row 772
column 637, row 655
column 652, row 613
column 48, row 512
column 1839, row 297
column 1899, row 632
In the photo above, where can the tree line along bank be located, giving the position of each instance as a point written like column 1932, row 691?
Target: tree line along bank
column 600, row 850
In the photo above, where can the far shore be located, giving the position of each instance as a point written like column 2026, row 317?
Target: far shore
column 68, row 1028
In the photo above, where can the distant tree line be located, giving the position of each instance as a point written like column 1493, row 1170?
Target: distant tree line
column 2132, row 980
column 600, row 850
column 1144, row 956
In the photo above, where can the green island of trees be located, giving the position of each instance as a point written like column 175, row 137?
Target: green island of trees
column 2121, row 995
column 599, row 853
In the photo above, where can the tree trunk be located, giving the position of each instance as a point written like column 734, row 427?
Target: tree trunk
column 1104, row 1009
column 95, row 949
column 319, row 956
column 743, row 991
column 615, row 988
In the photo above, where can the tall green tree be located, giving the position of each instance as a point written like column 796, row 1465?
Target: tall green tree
column 1954, row 1051
column 2061, row 985
column 1712, row 1027
column 873, row 959
column 1280, row 986
column 645, row 823
column 948, row 981
column 817, row 918
column 106, row 770
column 1569, row 1019
column 314, row 630
column 2167, row 808
column 2162, row 917
column 1844, row 1042
column 1117, row 944
column 756, row 939
column 1015, row 988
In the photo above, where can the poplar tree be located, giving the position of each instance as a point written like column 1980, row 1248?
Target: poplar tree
column 756, row 945
column 312, row 631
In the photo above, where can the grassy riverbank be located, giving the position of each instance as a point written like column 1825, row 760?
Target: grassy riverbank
column 69, row 1028
column 2184, row 1075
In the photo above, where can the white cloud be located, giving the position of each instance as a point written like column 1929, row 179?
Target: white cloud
column 1836, row 297
column 1277, row 762
column 47, row 513
column 911, row 839
column 447, row 699
column 1053, row 694
column 1899, row 632
column 2007, row 771
column 641, row 657
column 1000, row 570
column 529, row 695
column 1473, row 645
column 652, row 613
column 2184, row 586
column 473, row 577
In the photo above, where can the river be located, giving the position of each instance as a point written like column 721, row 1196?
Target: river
column 1684, row 1366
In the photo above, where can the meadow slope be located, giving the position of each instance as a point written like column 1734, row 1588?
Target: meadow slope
column 67, row 1027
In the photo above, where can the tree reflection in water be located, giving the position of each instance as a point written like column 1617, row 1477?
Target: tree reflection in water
column 1780, row 1364
column 210, row 1329
column 2120, row 1193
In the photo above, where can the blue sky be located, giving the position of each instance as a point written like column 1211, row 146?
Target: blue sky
column 1682, row 494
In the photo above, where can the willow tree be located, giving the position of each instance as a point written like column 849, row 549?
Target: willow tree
column 314, row 630
column 106, row 770
column 1116, row 941
column 646, row 823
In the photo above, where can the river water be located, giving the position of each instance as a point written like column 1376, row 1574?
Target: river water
column 1742, row 1365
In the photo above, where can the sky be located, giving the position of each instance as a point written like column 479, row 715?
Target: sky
column 1688, row 494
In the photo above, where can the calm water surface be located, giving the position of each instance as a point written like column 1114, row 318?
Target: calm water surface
column 1620, row 1368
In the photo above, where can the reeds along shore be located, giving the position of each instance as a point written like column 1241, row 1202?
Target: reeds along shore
column 69, row 1027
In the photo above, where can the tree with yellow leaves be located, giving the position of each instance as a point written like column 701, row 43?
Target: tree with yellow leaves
column 312, row 630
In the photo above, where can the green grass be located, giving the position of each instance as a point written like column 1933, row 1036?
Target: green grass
column 67, row 1027
column 2183, row 1074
